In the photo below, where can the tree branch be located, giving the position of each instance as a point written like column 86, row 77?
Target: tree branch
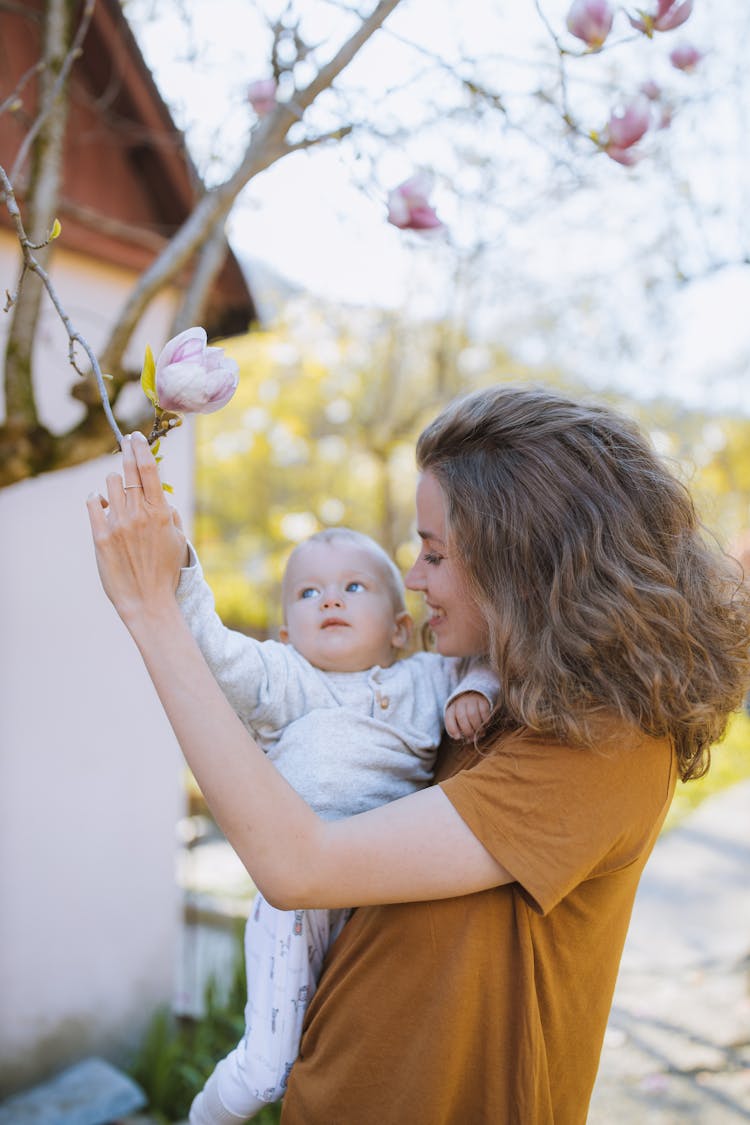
column 209, row 263
column 266, row 146
column 43, row 190
column 14, row 99
column 330, row 72
column 55, row 90
column 31, row 264
column 322, row 138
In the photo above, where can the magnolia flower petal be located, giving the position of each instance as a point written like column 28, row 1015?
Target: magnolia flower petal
column 398, row 209
column 624, row 156
column 667, row 15
column 192, row 378
column 685, row 57
column 424, row 218
column 651, row 90
column 627, row 125
column 188, row 388
column 185, row 345
column 179, row 386
column 671, row 14
column 408, row 206
column 590, row 21
column 644, row 24
column 262, row 95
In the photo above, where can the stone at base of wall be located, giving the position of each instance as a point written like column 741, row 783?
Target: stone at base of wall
column 91, row 1092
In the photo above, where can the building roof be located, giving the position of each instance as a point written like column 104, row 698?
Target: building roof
column 128, row 182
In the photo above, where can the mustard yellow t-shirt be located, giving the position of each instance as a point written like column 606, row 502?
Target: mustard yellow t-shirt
column 490, row 1009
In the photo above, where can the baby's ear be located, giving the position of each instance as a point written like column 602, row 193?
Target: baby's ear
column 402, row 628
column 284, row 635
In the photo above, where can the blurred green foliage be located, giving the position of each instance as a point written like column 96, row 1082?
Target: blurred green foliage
column 177, row 1055
column 322, row 431
column 730, row 763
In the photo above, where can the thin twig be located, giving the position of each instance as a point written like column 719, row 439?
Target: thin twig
column 74, row 337
column 70, row 58
column 321, row 138
column 12, row 99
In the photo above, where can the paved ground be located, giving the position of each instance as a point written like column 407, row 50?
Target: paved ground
column 677, row 1050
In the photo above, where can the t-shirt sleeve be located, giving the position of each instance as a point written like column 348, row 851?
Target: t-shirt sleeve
column 554, row 815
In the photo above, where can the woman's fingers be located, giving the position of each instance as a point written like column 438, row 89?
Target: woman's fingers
column 116, row 494
column 139, row 461
column 96, row 505
column 132, row 480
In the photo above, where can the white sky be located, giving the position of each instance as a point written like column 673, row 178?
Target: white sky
column 313, row 223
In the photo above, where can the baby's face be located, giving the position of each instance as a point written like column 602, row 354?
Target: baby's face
column 339, row 609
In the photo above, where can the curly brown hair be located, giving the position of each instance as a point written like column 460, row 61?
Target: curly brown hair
column 586, row 554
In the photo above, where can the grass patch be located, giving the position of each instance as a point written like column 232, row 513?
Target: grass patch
column 177, row 1055
column 730, row 763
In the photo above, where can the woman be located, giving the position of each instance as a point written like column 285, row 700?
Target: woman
column 475, row 982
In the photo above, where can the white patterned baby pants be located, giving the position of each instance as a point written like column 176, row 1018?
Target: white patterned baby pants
column 284, row 953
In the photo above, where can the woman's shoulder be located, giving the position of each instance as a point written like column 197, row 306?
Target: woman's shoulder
column 622, row 755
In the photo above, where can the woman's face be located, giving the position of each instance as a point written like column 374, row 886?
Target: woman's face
column 455, row 618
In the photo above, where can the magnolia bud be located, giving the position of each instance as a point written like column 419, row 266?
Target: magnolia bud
column 627, row 125
column 651, row 90
column 668, row 15
column 590, row 20
column 262, row 95
column 408, row 208
column 192, row 378
column 685, row 57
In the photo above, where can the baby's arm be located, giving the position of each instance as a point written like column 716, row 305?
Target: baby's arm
column 251, row 674
column 470, row 704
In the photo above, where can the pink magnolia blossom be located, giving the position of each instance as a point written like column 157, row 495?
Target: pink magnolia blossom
column 408, row 206
column 651, row 90
column 625, row 128
column 262, row 95
column 668, row 15
column 192, row 378
column 685, row 57
column 590, row 20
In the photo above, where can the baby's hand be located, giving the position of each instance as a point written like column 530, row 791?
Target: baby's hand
column 466, row 714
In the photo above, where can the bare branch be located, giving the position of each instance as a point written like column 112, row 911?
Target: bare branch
column 30, row 263
column 13, row 99
column 210, row 260
column 266, row 146
column 322, row 138
column 330, row 72
column 71, row 56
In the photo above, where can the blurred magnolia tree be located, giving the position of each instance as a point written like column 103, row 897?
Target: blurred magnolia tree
column 514, row 109
column 321, row 432
column 322, row 429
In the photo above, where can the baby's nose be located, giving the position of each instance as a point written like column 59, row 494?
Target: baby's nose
column 333, row 598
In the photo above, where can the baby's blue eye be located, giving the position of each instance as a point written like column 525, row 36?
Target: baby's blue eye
column 309, row 592
column 355, row 587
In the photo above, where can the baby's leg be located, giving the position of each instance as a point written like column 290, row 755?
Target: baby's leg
column 284, row 952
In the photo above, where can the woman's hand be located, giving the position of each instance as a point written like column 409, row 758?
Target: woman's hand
column 138, row 537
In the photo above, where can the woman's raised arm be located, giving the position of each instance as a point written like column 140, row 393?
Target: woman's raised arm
column 416, row 848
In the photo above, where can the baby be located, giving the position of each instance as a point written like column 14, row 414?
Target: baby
column 350, row 727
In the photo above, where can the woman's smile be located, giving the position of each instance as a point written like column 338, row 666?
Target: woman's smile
column 457, row 622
